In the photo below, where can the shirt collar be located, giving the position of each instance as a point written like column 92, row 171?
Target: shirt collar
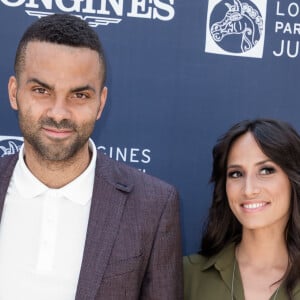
column 223, row 259
column 79, row 190
column 224, row 263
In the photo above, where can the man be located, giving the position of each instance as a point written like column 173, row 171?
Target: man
column 76, row 224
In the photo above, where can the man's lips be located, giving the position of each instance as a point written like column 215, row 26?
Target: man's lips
column 57, row 133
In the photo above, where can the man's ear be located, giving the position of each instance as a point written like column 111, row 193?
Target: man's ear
column 103, row 97
column 12, row 92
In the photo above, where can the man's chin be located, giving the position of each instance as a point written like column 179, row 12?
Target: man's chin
column 57, row 151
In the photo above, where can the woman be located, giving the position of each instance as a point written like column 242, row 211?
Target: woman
column 251, row 244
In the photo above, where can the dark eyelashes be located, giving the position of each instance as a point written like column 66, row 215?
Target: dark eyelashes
column 269, row 170
column 262, row 171
column 234, row 174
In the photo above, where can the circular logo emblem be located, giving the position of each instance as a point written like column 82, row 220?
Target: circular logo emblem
column 236, row 26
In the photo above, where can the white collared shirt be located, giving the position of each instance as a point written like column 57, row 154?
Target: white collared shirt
column 42, row 235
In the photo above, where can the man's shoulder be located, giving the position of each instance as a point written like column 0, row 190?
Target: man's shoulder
column 116, row 171
column 7, row 164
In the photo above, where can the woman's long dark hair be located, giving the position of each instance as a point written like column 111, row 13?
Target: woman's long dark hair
column 281, row 143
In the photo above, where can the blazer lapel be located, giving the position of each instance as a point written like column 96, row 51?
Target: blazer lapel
column 107, row 206
column 7, row 166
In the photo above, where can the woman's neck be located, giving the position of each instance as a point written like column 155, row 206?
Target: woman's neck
column 263, row 248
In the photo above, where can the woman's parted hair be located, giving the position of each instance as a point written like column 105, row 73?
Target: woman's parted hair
column 281, row 143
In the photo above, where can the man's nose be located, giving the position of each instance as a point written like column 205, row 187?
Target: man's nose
column 59, row 110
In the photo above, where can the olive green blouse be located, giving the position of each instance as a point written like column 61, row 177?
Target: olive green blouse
column 212, row 278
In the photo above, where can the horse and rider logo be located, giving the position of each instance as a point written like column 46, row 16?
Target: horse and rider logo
column 236, row 27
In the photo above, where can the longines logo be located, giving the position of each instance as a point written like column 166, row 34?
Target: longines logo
column 10, row 145
column 236, row 28
column 138, row 157
column 99, row 12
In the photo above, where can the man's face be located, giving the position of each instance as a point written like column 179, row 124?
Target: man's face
column 58, row 96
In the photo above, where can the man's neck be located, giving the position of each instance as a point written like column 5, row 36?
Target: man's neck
column 56, row 174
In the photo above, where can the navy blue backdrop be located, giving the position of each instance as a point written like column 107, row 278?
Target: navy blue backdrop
column 179, row 74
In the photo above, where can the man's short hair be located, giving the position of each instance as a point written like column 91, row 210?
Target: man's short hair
column 63, row 29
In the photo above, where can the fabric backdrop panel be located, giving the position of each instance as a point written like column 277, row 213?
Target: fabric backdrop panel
column 180, row 73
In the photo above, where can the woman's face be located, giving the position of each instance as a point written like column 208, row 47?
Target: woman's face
column 258, row 190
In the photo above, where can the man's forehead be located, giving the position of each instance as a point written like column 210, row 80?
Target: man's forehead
column 37, row 46
column 47, row 51
column 42, row 52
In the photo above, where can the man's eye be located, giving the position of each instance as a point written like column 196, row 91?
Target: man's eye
column 267, row 171
column 40, row 90
column 234, row 174
column 81, row 96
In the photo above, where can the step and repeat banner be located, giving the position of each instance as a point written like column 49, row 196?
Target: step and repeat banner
column 180, row 73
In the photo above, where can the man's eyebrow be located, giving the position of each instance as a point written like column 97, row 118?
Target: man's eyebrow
column 39, row 82
column 83, row 88
column 47, row 86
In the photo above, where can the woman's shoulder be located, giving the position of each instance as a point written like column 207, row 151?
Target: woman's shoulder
column 193, row 266
column 202, row 278
column 194, row 260
column 197, row 266
column 201, row 262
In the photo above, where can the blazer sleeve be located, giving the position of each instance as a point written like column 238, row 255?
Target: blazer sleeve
column 163, row 278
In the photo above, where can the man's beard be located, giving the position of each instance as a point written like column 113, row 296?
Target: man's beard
column 58, row 151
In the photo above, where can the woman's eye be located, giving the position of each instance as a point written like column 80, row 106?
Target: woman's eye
column 267, row 171
column 234, row 174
